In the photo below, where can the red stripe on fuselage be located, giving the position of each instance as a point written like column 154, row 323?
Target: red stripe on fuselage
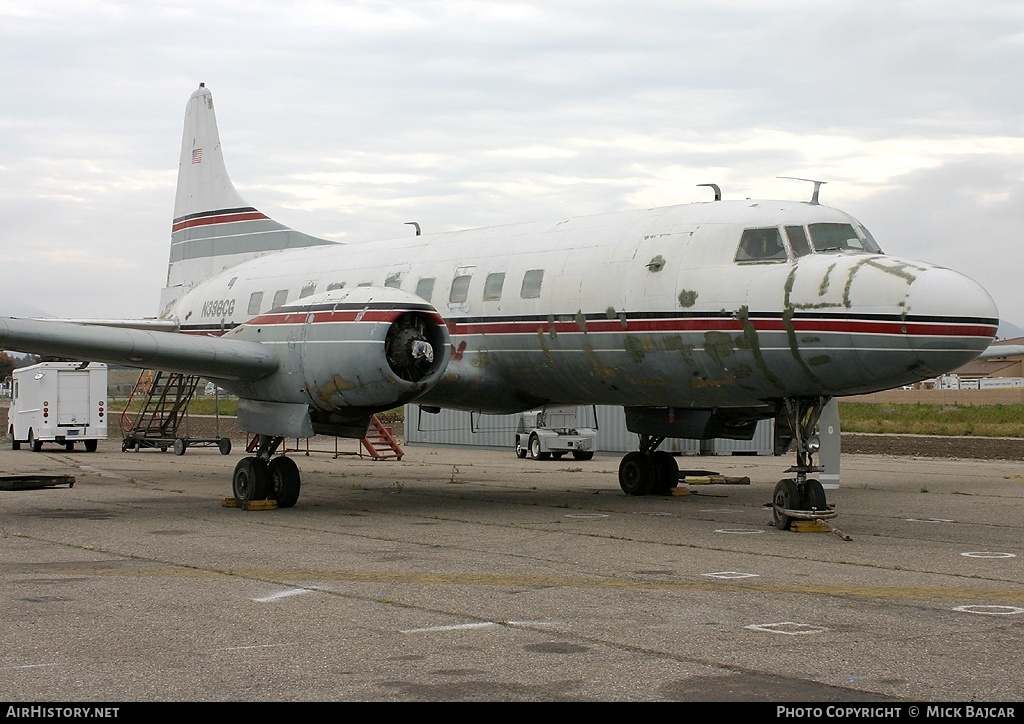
column 373, row 316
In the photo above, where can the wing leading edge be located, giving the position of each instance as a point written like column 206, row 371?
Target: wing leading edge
column 227, row 359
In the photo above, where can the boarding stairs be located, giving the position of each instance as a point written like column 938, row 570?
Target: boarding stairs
column 379, row 443
column 162, row 420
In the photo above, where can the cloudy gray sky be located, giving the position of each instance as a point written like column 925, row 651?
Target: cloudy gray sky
column 347, row 119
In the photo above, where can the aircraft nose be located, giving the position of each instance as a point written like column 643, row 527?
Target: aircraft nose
column 950, row 319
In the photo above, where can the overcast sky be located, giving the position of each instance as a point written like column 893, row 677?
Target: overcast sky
column 347, row 119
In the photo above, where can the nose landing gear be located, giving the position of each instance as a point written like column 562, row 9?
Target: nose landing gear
column 801, row 497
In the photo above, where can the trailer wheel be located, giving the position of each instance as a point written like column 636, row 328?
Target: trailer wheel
column 535, row 451
column 224, row 445
column 33, row 444
column 180, row 445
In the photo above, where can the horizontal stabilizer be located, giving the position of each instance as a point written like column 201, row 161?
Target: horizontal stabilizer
column 216, row 357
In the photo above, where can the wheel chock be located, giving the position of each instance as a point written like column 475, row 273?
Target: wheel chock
column 715, row 480
column 249, row 505
column 260, row 505
column 680, row 491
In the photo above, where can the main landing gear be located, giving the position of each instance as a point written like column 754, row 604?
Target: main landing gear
column 648, row 470
column 264, row 477
column 800, row 497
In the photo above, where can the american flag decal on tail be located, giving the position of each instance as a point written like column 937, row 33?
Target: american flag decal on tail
column 197, row 155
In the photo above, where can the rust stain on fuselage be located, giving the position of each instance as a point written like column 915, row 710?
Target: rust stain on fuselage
column 638, row 347
column 605, row 373
column 544, row 348
column 328, row 390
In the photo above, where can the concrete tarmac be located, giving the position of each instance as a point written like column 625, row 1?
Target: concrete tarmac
column 471, row 575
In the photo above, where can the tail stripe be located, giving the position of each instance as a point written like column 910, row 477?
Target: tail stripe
column 217, row 217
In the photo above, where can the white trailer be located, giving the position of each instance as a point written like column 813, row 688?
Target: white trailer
column 59, row 402
column 551, row 433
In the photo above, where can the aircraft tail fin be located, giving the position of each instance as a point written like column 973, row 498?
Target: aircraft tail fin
column 214, row 228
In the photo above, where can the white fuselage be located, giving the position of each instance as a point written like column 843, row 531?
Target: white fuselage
column 640, row 308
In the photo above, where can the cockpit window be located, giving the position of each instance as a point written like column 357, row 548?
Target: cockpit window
column 798, row 240
column 869, row 241
column 832, row 236
column 761, row 245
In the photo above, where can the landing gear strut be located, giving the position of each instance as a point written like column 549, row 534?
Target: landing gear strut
column 800, row 497
column 264, row 477
column 648, row 470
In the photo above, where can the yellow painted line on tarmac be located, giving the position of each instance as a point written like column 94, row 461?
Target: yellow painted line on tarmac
column 131, row 569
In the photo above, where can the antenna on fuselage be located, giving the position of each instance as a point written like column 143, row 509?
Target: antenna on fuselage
column 817, row 185
column 413, row 223
column 718, row 191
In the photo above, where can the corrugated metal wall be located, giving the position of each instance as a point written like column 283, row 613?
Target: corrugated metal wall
column 454, row 427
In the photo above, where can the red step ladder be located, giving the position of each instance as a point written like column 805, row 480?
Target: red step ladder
column 379, row 443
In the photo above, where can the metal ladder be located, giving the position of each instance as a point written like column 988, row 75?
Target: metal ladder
column 163, row 415
column 379, row 443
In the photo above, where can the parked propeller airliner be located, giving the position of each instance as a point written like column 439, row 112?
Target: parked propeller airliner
column 699, row 319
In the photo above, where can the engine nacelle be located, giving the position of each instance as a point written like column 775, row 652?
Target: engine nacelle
column 371, row 348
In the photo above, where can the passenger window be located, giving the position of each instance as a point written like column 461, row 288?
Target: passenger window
column 425, row 288
column 364, row 284
column 798, row 240
column 394, row 280
column 335, row 285
column 493, row 285
column 280, row 299
column 308, row 290
column 531, row 284
column 460, row 289
column 761, row 245
column 254, row 303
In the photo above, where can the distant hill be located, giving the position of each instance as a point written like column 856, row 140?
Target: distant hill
column 21, row 309
column 1008, row 330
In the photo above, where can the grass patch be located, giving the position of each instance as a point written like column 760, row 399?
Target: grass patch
column 922, row 419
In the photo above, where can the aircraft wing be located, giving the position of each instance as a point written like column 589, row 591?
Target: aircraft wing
column 153, row 324
column 996, row 351
column 217, row 357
